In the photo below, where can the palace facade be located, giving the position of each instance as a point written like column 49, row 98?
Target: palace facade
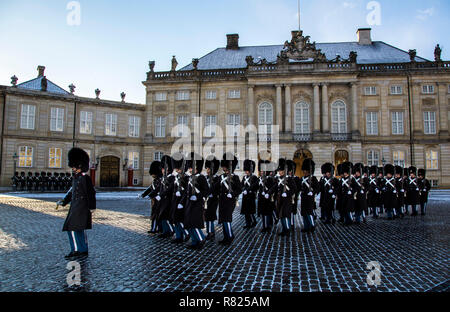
column 363, row 101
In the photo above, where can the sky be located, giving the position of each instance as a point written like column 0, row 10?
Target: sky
column 110, row 44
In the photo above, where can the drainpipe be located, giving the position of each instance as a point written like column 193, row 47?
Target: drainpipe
column 74, row 123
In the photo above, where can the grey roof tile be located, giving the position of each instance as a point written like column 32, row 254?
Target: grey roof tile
column 377, row 53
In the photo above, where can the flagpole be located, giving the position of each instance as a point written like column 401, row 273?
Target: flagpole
column 298, row 15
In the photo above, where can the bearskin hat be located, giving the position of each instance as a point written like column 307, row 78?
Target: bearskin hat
column 405, row 172
column 309, row 165
column 399, row 170
column 358, row 167
column 380, row 170
column 199, row 161
column 166, row 162
column 79, row 159
column 347, row 167
column 373, row 170
column 155, row 169
column 328, row 167
column 43, row 174
column 36, row 174
column 422, row 172
column 30, row 174
column 389, row 169
column 177, row 161
column 49, row 174
column 56, row 174
column 292, row 166
column 412, row 169
column 282, row 164
column 22, row 173
column 229, row 161
column 339, row 170
column 212, row 163
column 265, row 166
column 249, row 165
column 366, row 170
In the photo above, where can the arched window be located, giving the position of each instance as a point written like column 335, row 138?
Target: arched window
column 265, row 118
column 338, row 117
column 302, row 118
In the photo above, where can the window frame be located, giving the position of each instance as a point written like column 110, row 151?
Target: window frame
column 134, row 128
column 264, row 126
column 234, row 120
column 370, row 160
column 396, row 88
column 430, row 160
column 431, row 122
column 300, row 126
column 340, row 123
column 370, row 90
column 160, row 96
column 26, row 156
column 210, row 92
column 210, row 130
column 180, row 130
column 395, row 123
column 160, row 124
column 55, row 158
column 234, row 94
column 396, row 160
column 59, row 118
column 155, row 158
column 428, row 89
column 134, row 160
column 372, row 125
column 183, row 95
column 112, row 123
column 87, row 122
column 29, row 118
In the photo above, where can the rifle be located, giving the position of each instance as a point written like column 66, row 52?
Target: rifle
column 193, row 176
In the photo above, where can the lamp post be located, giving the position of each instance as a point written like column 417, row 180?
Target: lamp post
column 15, row 157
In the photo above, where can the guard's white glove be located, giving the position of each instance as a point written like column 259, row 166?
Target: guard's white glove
column 266, row 196
column 139, row 196
column 59, row 202
column 263, row 193
column 230, row 196
column 424, row 190
column 330, row 191
column 194, row 198
column 245, row 192
column 178, row 194
column 310, row 194
column 158, row 198
column 377, row 190
column 210, row 196
column 417, row 189
column 349, row 193
column 284, row 195
column 180, row 206
column 362, row 192
column 334, row 196
column 402, row 190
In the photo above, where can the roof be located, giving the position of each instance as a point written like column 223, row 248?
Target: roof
column 35, row 84
column 376, row 53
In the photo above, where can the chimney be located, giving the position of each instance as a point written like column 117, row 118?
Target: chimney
column 41, row 70
column 364, row 36
column 233, row 42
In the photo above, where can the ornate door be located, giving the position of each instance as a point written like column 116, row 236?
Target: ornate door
column 299, row 157
column 109, row 171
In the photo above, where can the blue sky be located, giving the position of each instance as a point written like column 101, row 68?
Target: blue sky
column 112, row 46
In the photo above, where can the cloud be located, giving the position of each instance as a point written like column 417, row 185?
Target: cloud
column 425, row 14
column 348, row 4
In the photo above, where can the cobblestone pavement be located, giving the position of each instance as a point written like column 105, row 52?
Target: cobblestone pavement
column 413, row 253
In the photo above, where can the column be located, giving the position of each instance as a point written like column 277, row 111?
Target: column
column 355, row 117
column 251, row 106
column 149, row 114
column 325, row 109
column 279, row 108
column 316, row 108
column 443, row 111
column 288, row 114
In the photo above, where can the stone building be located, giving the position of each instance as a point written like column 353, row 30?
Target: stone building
column 363, row 101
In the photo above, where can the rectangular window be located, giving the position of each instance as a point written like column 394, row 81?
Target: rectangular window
column 182, row 126
column 234, row 94
column 134, row 123
column 56, row 119
column 395, row 90
column 158, row 156
column 160, row 127
column 234, row 121
column 211, row 95
column 27, row 116
column 161, row 96
column 434, row 183
column 54, row 157
column 183, row 95
column 372, row 123
column 428, row 89
column 111, row 124
column 399, row 158
column 397, row 123
column 25, row 157
column 370, row 90
column 432, row 160
column 211, row 122
column 86, row 122
column 133, row 160
column 429, row 122
column 373, row 158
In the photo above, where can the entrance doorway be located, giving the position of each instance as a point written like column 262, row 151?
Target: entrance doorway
column 299, row 157
column 340, row 157
column 109, row 171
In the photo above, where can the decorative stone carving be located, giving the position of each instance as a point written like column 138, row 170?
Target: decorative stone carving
column 300, row 48
column 412, row 55
column 174, row 63
column 182, row 107
column 437, row 53
column 195, row 63
column 14, row 80
column 72, row 88
column 44, row 84
column 97, row 93
column 160, row 108
column 151, row 64
column 353, row 56
column 122, row 96
column 249, row 60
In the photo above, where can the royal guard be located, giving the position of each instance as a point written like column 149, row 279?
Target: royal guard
column 177, row 190
column 165, row 196
column 347, row 193
column 425, row 187
column 212, row 166
column 412, row 191
column 30, row 181
column 328, row 186
column 249, row 190
column 339, row 206
column 292, row 167
column 83, row 204
column 36, row 181
column 55, row 181
column 373, row 193
column 15, row 181
column 389, row 191
column 195, row 196
column 152, row 191
column 308, row 191
column 22, row 181
column 50, row 181
column 266, row 195
column 43, row 182
column 400, row 183
column 230, row 189
column 361, row 187
column 286, row 190
column 381, row 181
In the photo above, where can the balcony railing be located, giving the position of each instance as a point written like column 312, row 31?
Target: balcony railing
column 340, row 137
column 304, row 137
